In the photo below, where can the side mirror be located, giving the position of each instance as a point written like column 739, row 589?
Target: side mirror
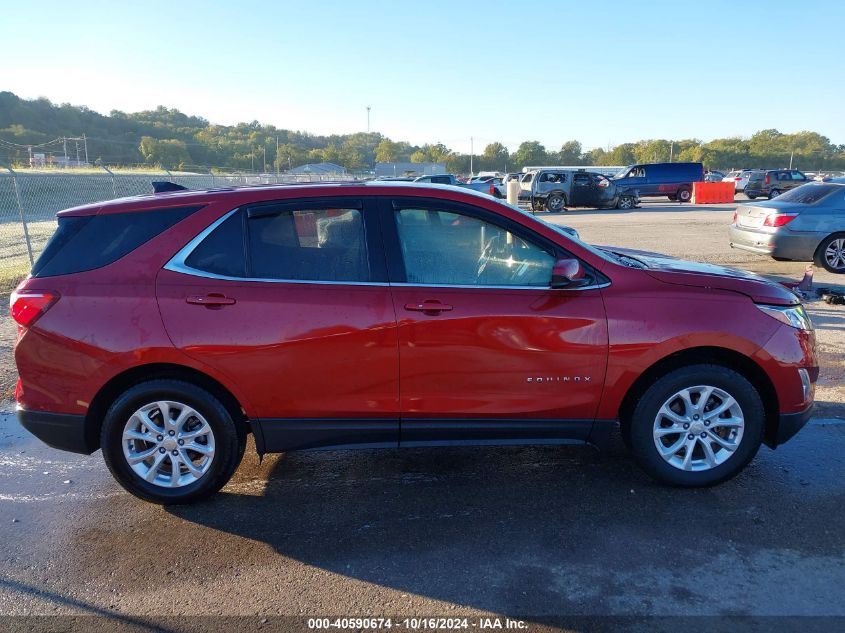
column 568, row 273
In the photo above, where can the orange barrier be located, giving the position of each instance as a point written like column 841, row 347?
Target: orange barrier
column 712, row 192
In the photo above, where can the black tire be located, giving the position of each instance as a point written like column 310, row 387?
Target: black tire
column 641, row 431
column 673, row 197
column 229, row 441
column 819, row 256
column 774, row 193
column 684, row 195
column 555, row 202
column 750, row 196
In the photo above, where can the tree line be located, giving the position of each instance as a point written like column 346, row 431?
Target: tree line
column 172, row 139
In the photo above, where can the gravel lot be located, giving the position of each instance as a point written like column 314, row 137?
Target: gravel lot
column 537, row 533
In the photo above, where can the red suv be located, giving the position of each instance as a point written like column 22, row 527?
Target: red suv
column 165, row 328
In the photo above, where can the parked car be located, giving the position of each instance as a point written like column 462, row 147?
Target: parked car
column 739, row 178
column 556, row 189
column 803, row 224
column 673, row 180
column 502, row 187
column 714, row 176
column 163, row 329
column 451, row 179
column 773, row 182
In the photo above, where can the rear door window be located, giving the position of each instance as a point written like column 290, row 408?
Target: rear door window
column 308, row 245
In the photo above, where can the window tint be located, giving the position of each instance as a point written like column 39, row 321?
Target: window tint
column 441, row 180
column 441, row 247
column 582, row 179
column 93, row 241
column 222, row 251
column 309, row 245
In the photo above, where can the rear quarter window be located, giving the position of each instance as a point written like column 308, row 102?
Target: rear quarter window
column 88, row 242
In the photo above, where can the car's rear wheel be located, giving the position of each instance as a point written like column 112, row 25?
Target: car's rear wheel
column 626, row 202
column 555, row 202
column 750, row 196
column 684, row 195
column 831, row 254
column 672, row 197
column 697, row 426
column 169, row 442
column 774, row 193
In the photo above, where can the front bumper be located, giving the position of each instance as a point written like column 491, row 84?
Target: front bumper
column 786, row 244
column 67, row 432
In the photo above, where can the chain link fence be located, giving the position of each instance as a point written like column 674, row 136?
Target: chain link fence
column 30, row 199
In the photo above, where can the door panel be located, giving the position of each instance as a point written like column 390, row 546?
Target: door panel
column 295, row 350
column 501, row 354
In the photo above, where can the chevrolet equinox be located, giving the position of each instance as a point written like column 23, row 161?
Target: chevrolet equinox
column 163, row 329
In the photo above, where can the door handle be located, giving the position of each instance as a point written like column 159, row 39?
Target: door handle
column 211, row 300
column 428, row 306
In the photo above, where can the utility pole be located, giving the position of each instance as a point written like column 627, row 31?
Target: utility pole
column 277, row 155
column 671, row 150
column 30, row 155
column 85, row 141
column 791, row 154
column 471, row 152
column 368, row 119
column 64, row 147
column 265, row 157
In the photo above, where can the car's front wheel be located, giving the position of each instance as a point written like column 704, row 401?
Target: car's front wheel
column 697, row 426
column 831, row 254
column 169, row 442
column 774, row 193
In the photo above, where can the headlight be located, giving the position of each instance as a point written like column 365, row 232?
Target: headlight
column 793, row 316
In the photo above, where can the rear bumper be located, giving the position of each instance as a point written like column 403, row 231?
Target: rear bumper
column 789, row 424
column 788, row 245
column 64, row 431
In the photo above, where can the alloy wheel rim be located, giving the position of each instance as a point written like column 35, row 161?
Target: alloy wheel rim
column 556, row 203
column 168, row 444
column 834, row 254
column 625, row 203
column 698, row 428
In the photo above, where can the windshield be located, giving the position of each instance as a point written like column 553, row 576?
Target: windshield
column 623, row 173
column 810, row 193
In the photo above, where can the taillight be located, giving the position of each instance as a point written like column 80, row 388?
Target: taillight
column 768, row 179
column 603, row 183
column 780, row 219
column 27, row 306
column 492, row 189
column 738, row 178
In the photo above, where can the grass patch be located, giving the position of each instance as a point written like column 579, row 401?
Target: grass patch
column 11, row 274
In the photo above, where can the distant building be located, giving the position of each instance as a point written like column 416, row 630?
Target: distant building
column 408, row 169
column 319, row 169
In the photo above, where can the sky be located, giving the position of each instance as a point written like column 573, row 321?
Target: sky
column 432, row 71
